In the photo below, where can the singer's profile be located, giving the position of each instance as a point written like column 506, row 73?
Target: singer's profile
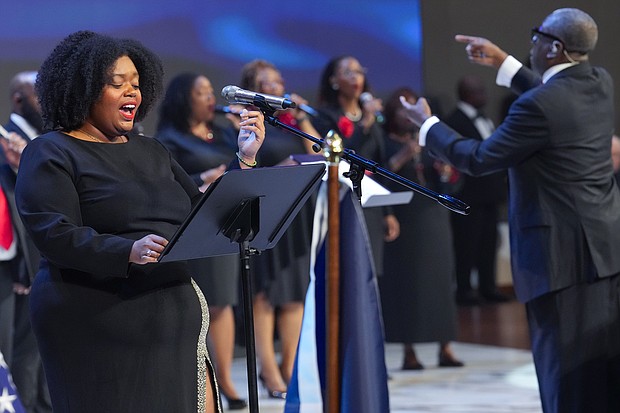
column 117, row 330
column 341, row 109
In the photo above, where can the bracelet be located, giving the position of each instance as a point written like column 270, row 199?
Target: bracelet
column 251, row 165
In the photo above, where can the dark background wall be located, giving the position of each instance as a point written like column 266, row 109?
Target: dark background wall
column 401, row 42
column 507, row 23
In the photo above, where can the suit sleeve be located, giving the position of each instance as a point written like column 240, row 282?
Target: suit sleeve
column 524, row 80
column 524, row 131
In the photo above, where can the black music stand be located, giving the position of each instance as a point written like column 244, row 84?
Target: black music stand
column 229, row 212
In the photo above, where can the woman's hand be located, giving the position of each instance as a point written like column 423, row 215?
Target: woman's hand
column 251, row 136
column 370, row 107
column 212, row 174
column 13, row 146
column 147, row 249
column 392, row 227
column 233, row 117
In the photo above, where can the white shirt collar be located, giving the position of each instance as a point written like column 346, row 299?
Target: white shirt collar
column 24, row 125
column 467, row 109
column 554, row 70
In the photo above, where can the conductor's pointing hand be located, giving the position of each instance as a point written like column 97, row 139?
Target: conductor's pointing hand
column 482, row 51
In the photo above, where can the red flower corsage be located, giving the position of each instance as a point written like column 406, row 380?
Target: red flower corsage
column 345, row 126
column 288, row 119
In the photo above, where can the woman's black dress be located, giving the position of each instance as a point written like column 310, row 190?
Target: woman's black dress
column 417, row 287
column 217, row 277
column 366, row 143
column 114, row 337
column 283, row 272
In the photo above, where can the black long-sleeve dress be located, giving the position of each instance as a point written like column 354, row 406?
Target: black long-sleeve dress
column 283, row 272
column 114, row 336
column 217, row 277
column 369, row 144
column 417, row 294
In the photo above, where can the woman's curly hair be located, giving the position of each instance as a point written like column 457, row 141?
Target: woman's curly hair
column 73, row 76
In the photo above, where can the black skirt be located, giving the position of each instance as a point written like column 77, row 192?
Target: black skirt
column 122, row 345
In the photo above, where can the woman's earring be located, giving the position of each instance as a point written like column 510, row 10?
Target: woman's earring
column 335, row 86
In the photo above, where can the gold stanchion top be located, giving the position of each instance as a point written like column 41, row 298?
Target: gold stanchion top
column 333, row 147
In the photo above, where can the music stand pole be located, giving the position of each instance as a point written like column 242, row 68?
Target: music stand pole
column 248, row 316
column 241, row 227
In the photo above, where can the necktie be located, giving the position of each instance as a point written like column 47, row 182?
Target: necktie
column 6, row 229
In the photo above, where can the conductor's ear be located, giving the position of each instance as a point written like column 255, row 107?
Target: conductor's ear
column 553, row 50
column 554, row 46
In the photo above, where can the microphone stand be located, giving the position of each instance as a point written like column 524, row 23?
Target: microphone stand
column 359, row 164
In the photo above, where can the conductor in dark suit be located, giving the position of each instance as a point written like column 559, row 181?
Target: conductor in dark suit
column 475, row 235
column 564, row 206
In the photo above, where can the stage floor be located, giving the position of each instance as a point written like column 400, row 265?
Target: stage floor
column 494, row 380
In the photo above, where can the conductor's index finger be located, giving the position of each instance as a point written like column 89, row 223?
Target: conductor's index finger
column 463, row 38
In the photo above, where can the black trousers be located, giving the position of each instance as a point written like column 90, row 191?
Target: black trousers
column 27, row 367
column 475, row 246
column 575, row 335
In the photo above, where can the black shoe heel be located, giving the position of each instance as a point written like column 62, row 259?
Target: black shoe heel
column 235, row 404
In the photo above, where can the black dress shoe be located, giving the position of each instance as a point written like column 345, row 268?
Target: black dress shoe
column 235, row 404
column 496, row 297
column 450, row 362
column 407, row 365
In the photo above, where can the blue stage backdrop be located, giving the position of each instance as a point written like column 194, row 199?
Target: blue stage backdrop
column 218, row 37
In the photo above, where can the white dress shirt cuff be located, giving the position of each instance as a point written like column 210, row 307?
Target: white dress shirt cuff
column 424, row 129
column 509, row 68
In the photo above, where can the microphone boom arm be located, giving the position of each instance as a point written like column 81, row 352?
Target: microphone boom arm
column 359, row 164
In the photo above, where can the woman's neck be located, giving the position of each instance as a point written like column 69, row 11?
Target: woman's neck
column 202, row 130
column 351, row 108
column 349, row 104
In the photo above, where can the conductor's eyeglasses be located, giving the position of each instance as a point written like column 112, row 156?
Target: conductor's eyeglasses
column 536, row 33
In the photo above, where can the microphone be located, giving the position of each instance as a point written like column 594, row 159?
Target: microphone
column 234, row 94
column 308, row 109
column 222, row 109
column 367, row 97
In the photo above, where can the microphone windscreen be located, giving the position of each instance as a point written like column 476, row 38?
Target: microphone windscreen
column 228, row 92
column 366, row 97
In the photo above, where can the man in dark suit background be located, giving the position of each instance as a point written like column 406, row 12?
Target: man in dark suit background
column 475, row 235
column 25, row 118
column 25, row 123
column 564, row 210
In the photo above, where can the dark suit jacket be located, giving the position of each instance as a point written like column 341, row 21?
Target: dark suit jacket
column 26, row 263
column 487, row 189
column 564, row 209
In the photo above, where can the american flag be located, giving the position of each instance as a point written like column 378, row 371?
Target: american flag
column 9, row 402
column 364, row 386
